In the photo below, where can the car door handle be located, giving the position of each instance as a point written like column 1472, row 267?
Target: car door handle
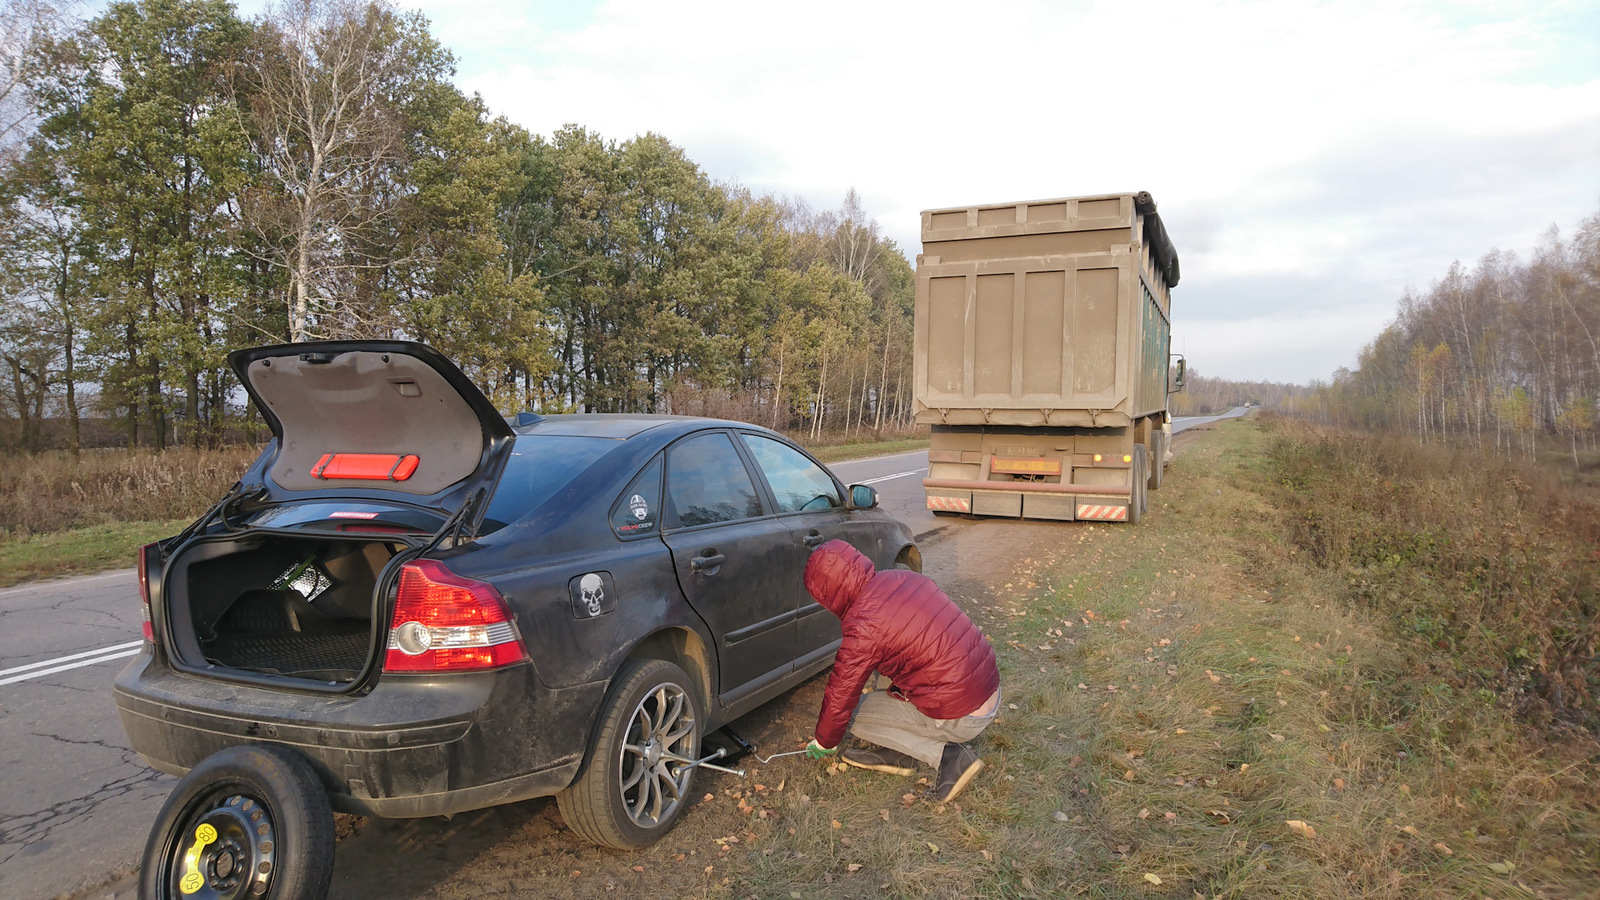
column 813, row 539
column 710, row 560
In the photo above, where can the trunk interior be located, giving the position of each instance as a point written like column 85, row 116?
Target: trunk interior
column 291, row 606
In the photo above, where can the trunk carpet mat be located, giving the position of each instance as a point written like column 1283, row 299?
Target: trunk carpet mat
column 338, row 655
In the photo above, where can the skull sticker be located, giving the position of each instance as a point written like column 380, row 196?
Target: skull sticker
column 593, row 591
column 639, row 506
column 593, row 595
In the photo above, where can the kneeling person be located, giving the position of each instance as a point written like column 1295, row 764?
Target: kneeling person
column 945, row 684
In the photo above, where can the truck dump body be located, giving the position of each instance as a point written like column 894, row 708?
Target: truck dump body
column 1050, row 312
column 1041, row 353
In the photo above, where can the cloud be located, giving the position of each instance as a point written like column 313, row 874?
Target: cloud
column 1311, row 159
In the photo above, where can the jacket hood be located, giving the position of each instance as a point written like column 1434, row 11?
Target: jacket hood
column 835, row 574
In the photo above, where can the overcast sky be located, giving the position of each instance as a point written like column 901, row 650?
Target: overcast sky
column 1311, row 160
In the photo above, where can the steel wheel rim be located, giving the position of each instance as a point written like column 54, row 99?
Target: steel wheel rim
column 225, row 849
column 650, row 773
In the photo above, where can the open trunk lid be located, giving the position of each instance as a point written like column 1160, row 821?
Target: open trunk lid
column 372, row 418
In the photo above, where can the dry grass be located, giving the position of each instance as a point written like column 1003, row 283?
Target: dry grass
column 52, row 492
column 1183, row 690
column 1489, row 562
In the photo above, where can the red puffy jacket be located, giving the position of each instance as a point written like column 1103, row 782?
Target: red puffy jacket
column 899, row 623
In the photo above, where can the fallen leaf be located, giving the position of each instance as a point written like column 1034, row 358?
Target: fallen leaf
column 883, row 814
column 638, row 868
column 1181, row 731
column 1128, row 775
column 987, row 855
column 1221, row 817
column 1444, row 848
column 1172, row 817
column 853, row 867
column 1504, row 868
column 836, row 823
column 1302, row 827
column 1214, row 678
column 1059, row 816
column 1144, row 813
column 1152, row 877
column 933, row 848
column 1338, row 784
column 1276, row 737
column 1409, row 829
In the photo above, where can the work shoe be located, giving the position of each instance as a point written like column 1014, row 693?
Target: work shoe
column 957, row 768
column 880, row 759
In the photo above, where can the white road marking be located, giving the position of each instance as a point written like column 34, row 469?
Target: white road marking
column 63, row 663
column 77, row 665
column 894, row 476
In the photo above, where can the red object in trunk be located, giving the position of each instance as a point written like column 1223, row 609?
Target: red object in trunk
column 366, row 466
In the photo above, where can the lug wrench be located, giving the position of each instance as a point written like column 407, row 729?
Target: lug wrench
column 777, row 756
column 706, row 763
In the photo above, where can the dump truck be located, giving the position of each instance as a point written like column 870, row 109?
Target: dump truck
column 1043, row 359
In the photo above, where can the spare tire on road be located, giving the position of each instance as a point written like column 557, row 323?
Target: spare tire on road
column 247, row 823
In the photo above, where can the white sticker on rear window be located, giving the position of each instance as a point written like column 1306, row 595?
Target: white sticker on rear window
column 350, row 514
column 639, row 506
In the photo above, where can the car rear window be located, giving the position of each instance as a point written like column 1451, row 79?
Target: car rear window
column 539, row 466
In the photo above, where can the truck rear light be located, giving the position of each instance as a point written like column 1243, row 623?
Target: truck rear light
column 147, row 626
column 446, row 623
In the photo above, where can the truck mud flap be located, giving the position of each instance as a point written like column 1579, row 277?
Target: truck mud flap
column 997, row 503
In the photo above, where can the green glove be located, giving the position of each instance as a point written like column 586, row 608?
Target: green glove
column 815, row 750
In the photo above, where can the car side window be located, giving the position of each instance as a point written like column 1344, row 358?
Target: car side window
column 638, row 510
column 707, row 482
column 797, row 483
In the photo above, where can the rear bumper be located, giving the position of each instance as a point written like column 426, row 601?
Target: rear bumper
column 1028, row 499
column 413, row 746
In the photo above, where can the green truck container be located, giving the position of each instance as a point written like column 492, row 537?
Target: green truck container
column 1043, row 359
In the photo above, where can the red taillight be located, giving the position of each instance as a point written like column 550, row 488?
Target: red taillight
column 148, row 625
column 445, row 623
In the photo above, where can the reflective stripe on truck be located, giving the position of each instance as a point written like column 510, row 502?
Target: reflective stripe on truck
column 1103, row 513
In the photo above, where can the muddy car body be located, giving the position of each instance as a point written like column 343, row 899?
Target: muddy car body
column 443, row 610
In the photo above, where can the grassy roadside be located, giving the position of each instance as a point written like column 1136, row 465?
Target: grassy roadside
column 80, row 551
column 1193, row 712
column 862, row 449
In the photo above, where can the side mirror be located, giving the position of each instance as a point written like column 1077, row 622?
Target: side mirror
column 1177, row 374
column 863, row 496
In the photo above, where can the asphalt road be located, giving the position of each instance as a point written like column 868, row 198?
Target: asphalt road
column 75, row 802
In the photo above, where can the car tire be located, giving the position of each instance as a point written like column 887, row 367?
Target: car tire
column 251, row 821
column 629, row 794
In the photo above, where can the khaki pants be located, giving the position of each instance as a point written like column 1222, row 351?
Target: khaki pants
column 894, row 723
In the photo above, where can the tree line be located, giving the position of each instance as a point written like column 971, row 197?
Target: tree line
column 177, row 181
column 1496, row 355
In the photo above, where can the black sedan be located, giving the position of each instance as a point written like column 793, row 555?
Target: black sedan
column 440, row 609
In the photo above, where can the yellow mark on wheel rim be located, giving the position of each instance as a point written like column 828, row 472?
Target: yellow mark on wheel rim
column 192, row 879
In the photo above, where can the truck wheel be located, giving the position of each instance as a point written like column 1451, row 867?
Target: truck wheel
column 633, row 787
column 1138, row 491
column 1156, row 460
column 247, row 823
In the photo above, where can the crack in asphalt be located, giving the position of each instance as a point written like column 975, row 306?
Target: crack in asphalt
column 17, row 833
